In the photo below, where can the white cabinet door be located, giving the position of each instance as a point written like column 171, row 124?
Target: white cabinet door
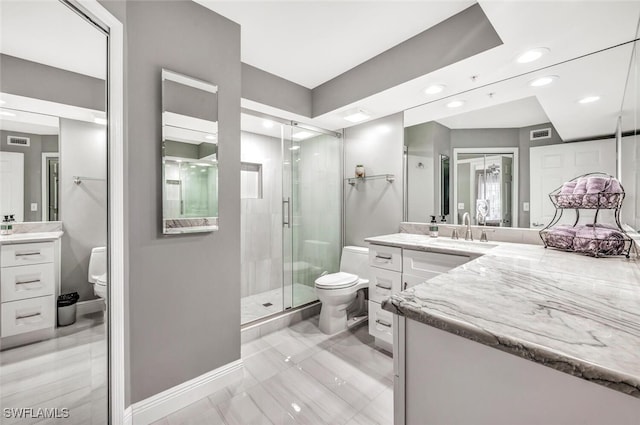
column 551, row 166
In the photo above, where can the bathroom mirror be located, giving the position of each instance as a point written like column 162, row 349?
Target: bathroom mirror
column 513, row 142
column 189, row 154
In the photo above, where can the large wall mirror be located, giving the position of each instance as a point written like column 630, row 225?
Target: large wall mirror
column 189, row 154
column 511, row 143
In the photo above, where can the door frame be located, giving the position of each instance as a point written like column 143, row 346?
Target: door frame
column 44, row 206
column 516, row 173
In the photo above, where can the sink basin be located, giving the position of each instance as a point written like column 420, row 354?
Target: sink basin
column 461, row 244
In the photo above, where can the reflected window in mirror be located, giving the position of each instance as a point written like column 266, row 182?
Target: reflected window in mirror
column 190, row 154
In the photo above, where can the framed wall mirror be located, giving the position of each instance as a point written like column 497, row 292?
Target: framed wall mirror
column 189, row 154
column 513, row 142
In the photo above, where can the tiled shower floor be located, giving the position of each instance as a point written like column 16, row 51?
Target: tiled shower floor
column 254, row 307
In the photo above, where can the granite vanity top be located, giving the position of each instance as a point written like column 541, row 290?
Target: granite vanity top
column 30, row 237
column 576, row 314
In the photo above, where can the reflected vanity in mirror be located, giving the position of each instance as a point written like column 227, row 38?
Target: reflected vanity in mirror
column 513, row 142
column 189, row 154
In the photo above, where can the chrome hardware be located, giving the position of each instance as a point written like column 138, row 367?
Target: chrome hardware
column 383, row 323
column 384, row 257
column 27, row 254
column 388, row 288
column 483, row 236
column 454, row 234
column 466, row 221
column 286, row 212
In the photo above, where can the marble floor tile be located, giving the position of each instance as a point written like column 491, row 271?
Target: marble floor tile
column 200, row 412
column 299, row 375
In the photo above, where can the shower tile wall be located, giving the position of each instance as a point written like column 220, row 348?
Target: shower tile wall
column 261, row 219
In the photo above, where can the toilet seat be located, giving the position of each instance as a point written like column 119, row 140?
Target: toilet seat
column 338, row 280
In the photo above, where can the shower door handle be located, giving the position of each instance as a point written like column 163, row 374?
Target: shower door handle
column 286, row 212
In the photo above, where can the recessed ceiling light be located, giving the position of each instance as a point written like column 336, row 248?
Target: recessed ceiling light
column 455, row 104
column 294, row 148
column 589, row 99
column 267, row 123
column 357, row 115
column 210, row 137
column 2, row 102
column 7, row 114
column 302, row 135
column 543, row 81
column 532, row 55
column 101, row 121
column 434, row 89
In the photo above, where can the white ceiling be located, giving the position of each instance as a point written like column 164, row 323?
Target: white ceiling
column 516, row 114
column 568, row 28
column 310, row 42
column 48, row 32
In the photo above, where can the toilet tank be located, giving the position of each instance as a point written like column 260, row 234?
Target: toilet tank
column 97, row 263
column 355, row 260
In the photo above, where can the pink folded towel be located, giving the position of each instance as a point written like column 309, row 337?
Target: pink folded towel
column 597, row 184
column 581, row 186
column 614, row 186
column 599, row 241
column 568, row 187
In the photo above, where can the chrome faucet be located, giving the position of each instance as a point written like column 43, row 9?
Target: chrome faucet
column 466, row 221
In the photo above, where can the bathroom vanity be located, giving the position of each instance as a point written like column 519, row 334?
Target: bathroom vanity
column 517, row 334
column 29, row 286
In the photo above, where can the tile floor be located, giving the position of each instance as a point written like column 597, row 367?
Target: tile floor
column 252, row 307
column 298, row 375
column 69, row 371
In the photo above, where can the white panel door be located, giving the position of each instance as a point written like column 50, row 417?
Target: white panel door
column 551, row 166
column 12, row 184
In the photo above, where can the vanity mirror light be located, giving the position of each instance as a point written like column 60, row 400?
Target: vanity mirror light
column 189, row 154
column 513, row 142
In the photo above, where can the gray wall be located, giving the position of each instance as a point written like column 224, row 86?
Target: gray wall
column 32, row 167
column 31, row 79
column 83, row 210
column 459, row 37
column 184, row 292
column 373, row 207
column 269, row 89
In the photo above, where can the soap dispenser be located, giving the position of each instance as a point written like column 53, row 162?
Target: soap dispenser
column 12, row 219
column 433, row 227
column 4, row 228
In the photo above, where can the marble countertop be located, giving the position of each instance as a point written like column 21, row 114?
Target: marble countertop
column 30, row 237
column 574, row 313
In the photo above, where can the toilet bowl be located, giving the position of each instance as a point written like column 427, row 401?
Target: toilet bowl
column 337, row 291
column 97, row 275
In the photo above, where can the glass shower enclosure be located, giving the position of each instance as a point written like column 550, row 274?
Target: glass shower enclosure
column 290, row 214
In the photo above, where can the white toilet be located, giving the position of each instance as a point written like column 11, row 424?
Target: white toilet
column 98, row 271
column 338, row 290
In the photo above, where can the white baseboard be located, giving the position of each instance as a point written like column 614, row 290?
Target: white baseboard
column 90, row 306
column 162, row 404
column 128, row 416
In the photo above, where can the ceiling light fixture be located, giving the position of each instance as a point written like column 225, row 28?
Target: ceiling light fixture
column 532, row 55
column 543, row 81
column 357, row 115
column 101, row 121
column 455, row 104
column 7, row 114
column 267, row 124
column 210, row 137
column 589, row 99
column 2, row 102
column 302, row 135
column 294, row 148
column 434, row 89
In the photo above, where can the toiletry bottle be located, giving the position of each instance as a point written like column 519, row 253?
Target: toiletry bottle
column 433, row 227
column 12, row 220
column 4, row 228
column 443, row 219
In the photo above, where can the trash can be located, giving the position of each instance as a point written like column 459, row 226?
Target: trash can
column 67, row 308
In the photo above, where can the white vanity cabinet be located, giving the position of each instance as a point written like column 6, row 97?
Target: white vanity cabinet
column 29, row 285
column 394, row 269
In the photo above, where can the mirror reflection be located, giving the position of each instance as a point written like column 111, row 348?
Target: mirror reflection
column 514, row 142
column 190, row 154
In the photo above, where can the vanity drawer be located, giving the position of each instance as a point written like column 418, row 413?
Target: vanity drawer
column 380, row 323
column 27, row 315
column 383, row 283
column 26, row 253
column 23, row 282
column 385, row 257
column 420, row 263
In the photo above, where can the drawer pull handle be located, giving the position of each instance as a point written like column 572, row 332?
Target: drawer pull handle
column 383, row 323
column 383, row 257
column 27, row 254
column 29, row 318
column 30, row 284
column 388, row 288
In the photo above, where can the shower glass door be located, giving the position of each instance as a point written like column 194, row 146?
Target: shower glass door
column 312, row 191
column 290, row 213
